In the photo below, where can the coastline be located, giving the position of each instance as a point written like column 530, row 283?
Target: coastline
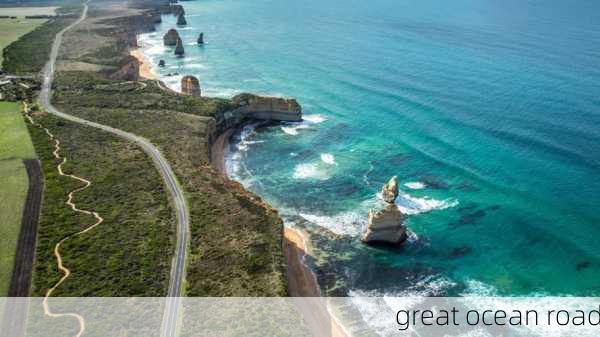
column 145, row 69
column 301, row 280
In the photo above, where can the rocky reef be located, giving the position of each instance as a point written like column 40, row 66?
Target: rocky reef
column 179, row 50
column 385, row 226
column 171, row 37
column 190, row 86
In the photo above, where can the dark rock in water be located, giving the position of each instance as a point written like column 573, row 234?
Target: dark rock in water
column 190, row 86
column 471, row 217
column 179, row 50
column 170, row 39
column 582, row 265
column 161, row 63
column 201, row 38
column 181, row 20
column 460, row 251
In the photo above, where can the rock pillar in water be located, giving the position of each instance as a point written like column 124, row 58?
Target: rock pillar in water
column 201, row 38
column 190, row 86
column 161, row 63
column 170, row 39
column 386, row 225
column 181, row 20
column 179, row 50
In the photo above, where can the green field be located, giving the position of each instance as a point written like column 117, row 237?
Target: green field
column 13, row 29
column 15, row 145
column 27, row 11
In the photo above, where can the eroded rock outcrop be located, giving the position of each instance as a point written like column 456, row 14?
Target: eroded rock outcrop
column 201, row 38
column 171, row 37
column 190, row 86
column 268, row 108
column 129, row 70
column 179, row 50
column 181, row 21
column 161, row 63
column 386, row 225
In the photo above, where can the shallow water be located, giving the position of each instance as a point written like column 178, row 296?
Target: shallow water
column 488, row 112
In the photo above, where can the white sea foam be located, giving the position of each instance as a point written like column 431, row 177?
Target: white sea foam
column 292, row 129
column 408, row 204
column 415, row 185
column 196, row 66
column 347, row 223
column 310, row 171
column 328, row 158
column 315, row 119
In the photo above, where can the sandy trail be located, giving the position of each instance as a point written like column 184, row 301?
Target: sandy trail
column 66, row 272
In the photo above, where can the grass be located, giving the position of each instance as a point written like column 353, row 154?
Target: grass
column 15, row 145
column 30, row 52
column 236, row 239
column 129, row 254
column 13, row 29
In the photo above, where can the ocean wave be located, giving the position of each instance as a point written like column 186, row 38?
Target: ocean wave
column 293, row 130
column 328, row 158
column 408, row 204
column 315, row 118
column 415, row 185
column 196, row 66
column 347, row 223
column 310, row 171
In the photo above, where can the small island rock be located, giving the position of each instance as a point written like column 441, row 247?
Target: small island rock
column 190, row 86
column 161, row 63
column 385, row 226
column 181, row 20
column 179, row 50
column 201, row 38
column 170, row 38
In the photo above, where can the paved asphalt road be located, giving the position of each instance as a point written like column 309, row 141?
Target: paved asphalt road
column 173, row 301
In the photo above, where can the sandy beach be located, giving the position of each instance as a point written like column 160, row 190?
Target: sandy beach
column 145, row 67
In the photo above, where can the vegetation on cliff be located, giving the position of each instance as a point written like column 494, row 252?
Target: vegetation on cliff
column 235, row 238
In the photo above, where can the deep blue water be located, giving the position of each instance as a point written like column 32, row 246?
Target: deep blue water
column 487, row 111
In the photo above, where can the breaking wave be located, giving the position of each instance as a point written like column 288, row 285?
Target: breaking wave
column 328, row 158
column 310, row 171
column 415, row 185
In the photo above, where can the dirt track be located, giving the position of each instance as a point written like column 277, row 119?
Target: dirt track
column 21, row 276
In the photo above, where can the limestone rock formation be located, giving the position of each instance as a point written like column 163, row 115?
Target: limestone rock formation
column 181, row 20
column 179, row 50
column 170, row 39
column 201, row 38
column 190, row 86
column 389, row 192
column 386, row 225
column 129, row 70
column 268, row 108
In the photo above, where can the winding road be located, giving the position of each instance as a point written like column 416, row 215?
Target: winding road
column 173, row 301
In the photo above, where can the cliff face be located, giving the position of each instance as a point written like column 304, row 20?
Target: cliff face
column 129, row 70
column 267, row 108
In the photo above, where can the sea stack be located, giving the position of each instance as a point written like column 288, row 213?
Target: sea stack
column 170, row 39
column 181, row 20
column 190, row 86
column 385, row 226
column 179, row 50
column 201, row 38
column 161, row 63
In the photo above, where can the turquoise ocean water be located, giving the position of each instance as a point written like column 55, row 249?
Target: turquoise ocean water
column 487, row 111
